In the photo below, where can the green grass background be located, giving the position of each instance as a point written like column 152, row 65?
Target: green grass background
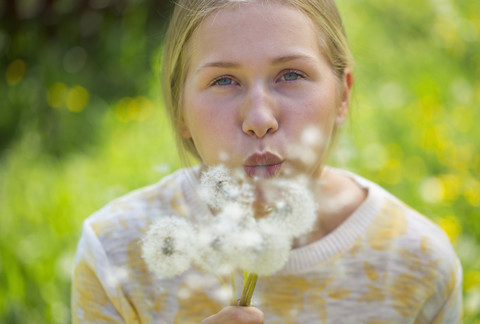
column 82, row 122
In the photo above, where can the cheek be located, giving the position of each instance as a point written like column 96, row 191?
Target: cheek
column 212, row 135
column 313, row 122
column 319, row 111
column 195, row 114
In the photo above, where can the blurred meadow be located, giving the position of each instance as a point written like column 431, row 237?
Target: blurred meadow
column 82, row 122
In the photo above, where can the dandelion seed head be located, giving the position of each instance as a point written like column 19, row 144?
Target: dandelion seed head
column 234, row 238
column 294, row 210
column 224, row 244
column 211, row 254
column 167, row 247
column 270, row 254
column 212, row 183
column 219, row 187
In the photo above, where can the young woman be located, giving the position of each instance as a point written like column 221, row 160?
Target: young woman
column 262, row 87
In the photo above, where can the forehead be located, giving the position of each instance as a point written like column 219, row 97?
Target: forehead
column 262, row 26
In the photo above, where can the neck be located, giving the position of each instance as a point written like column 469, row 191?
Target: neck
column 338, row 197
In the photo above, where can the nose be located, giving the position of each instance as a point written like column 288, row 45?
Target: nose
column 259, row 113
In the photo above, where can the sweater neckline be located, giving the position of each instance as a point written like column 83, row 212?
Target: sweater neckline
column 342, row 238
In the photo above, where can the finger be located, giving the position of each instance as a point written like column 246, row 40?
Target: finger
column 236, row 315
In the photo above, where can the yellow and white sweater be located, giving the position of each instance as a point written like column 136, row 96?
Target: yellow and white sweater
column 384, row 264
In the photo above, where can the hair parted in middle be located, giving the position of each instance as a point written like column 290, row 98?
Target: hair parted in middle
column 188, row 14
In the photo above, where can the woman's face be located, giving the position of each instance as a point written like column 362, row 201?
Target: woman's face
column 259, row 95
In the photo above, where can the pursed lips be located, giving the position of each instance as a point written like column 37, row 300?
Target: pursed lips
column 263, row 165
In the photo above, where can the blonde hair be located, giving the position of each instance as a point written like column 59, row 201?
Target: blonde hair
column 188, row 14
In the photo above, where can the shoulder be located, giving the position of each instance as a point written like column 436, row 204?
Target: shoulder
column 416, row 255
column 128, row 217
column 110, row 244
column 414, row 244
column 423, row 262
column 402, row 221
column 397, row 225
column 108, row 258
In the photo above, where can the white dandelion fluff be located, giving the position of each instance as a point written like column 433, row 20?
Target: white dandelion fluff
column 294, row 209
column 167, row 246
column 270, row 254
column 212, row 255
column 252, row 228
column 218, row 187
column 221, row 242
column 236, row 214
column 312, row 137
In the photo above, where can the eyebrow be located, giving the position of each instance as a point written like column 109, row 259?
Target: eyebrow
column 289, row 58
column 219, row 65
column 275, row 61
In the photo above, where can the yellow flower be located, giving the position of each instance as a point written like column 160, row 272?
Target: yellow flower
column 451, row 226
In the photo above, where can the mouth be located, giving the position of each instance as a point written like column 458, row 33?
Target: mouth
column 263, row 165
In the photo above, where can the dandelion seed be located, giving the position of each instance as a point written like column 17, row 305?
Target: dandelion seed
column 184, row 293
column 223, row 156
column 167, row 246
column 312, row 136
column 333, row 202
column 221, row 294
column 118, row 275
column 162, row 168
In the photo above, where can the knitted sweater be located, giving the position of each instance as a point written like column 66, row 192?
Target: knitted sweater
column 384, row 264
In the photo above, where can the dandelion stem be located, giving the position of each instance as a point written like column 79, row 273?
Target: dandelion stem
column 248, row 289
column 251, row 288
column 222, row 282
column 233, row 302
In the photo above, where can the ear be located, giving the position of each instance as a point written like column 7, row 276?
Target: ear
column 346, row 87
column 184, row 130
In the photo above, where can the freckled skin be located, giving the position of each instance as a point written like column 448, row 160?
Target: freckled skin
column 248, row 92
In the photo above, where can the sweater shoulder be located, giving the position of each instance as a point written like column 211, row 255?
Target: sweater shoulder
column 131, row 214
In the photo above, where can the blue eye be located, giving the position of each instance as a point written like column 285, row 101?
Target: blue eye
column 291, row 76
column 223, row 81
